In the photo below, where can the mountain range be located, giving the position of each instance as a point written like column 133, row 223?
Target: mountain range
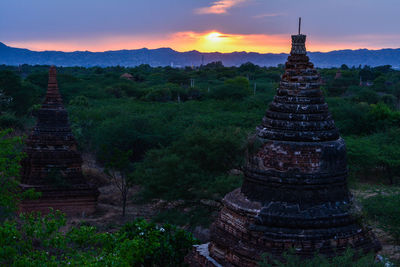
column 169, row 57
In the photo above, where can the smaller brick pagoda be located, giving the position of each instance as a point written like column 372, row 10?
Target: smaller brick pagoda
column 53, row 164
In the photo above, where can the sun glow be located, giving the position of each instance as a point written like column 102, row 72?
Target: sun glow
column 216, row 41
column 214, row 36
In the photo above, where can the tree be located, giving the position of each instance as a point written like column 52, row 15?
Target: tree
column 22, row 94
column 376, row 155
column 10, row 158
column 118, row 170
column 237, row 88
column 396, row 93
column 9, row 172
column 193, row 167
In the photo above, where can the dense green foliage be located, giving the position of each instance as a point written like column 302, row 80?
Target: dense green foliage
column 376, row 157
column 10, row 157
column 187, row 139
column 35, row 240
column 40, row 241
column 197, row 164
column 9, row 168
column 187, row 128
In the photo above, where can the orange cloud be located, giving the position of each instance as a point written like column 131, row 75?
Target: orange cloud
column 219, row 7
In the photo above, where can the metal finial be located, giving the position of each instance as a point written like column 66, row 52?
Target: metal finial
column 299, row 24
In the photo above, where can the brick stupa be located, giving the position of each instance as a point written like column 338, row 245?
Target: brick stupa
column 294, row 194
column 53, row 164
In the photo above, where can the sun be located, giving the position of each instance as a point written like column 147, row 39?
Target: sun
column 217, row 41
column 214, row 36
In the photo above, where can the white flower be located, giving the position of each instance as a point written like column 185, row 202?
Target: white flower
column 162, row 229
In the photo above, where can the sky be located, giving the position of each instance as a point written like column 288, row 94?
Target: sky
column 205, row 25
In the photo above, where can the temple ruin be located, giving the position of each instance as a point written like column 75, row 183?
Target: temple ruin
column 53, row 164
column 294, row 194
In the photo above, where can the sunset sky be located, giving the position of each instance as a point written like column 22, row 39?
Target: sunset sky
column 203, row 25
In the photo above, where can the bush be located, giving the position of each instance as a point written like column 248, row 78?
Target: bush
column 376, row 156
column 81, row 101
column 10, row 157
column 351, row 118
column 384, row 209
column 190, row 167
column 159, row 95
column 237, row 88
column 367, row 95
column 389, row 100
column 124, row 133
column 9, row 120
column 23, row 94
column 39, row 241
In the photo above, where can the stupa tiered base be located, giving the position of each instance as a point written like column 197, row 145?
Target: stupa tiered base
column 239, row 240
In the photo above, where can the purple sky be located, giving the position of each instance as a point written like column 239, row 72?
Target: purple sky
column 251, row 25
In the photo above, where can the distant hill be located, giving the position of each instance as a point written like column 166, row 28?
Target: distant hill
column 166, row 56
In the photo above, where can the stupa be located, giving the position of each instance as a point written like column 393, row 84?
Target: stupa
column 53, row 164
column 294, row 194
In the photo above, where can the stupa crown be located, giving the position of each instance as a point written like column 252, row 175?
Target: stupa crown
column 298, row 43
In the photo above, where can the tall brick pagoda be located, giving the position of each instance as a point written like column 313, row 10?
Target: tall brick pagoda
column 294, row 193
column 53, row 164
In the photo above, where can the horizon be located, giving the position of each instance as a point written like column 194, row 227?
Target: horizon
column 194, row 50
column 206, row 26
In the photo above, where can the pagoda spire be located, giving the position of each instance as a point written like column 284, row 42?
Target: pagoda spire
column 53, row 98
column 299, row 25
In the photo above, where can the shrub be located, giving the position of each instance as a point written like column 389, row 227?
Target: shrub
column 376, row 156
column 190, row 166
column 237, row 88
column 159, row 95
column 9, row 120
column 39, row 241
column 81, row 101
column 384, row 209
column 10, row 157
